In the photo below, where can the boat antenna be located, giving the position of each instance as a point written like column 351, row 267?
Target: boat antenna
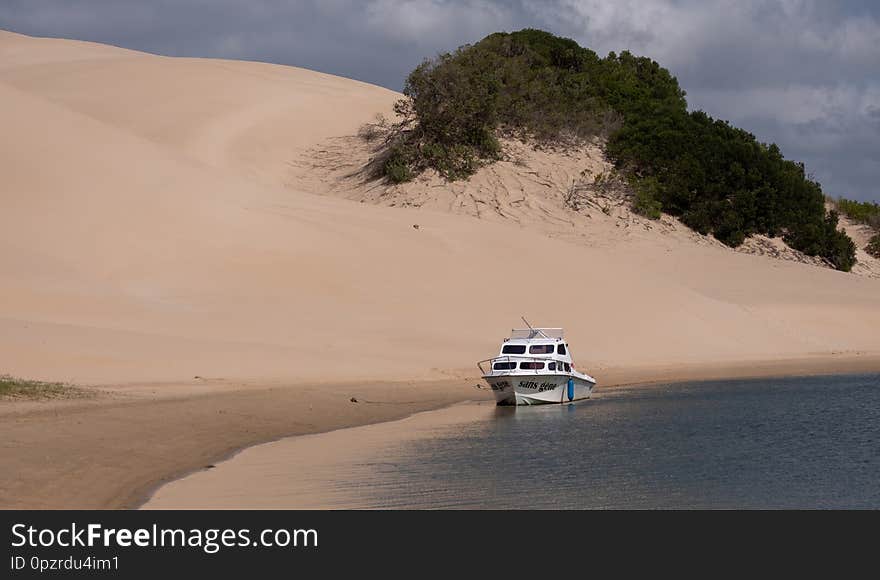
column 532, row 332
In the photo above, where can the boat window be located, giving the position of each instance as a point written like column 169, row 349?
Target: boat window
column 551, row 366
column 535, row 366
column 513, row 349
column 541, row 349
column 504, row 366
column 560, row 349
column 567, row 368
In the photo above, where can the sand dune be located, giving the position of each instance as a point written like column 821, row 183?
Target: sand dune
column 157, row 224
column 572, row 193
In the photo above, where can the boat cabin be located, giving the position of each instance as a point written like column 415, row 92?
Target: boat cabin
column 538, row 350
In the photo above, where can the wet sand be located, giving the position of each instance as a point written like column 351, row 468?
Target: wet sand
column 113, row 450
column 322, row 471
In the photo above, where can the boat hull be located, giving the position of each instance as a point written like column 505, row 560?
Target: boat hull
column 511, row 389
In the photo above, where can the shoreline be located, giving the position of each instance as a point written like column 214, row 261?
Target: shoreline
column 430, row 459
column 113, row 451
column 325, row 462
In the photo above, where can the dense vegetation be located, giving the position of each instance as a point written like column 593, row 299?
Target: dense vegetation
column 718, row 179
column 865, row 212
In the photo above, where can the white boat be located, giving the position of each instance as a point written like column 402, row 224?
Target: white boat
column 535, row 367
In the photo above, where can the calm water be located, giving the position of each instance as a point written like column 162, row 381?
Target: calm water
column 770, row 443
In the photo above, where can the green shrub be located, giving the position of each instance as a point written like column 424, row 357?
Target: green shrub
column 729, row 230
column 719, row 179
column 840, row 250
column 15, row 388
column 397, row 172
column 646, row 203
column 873, row 247
column 865, row 212
column 822, row 238
column 530, row 84
column 397, row 168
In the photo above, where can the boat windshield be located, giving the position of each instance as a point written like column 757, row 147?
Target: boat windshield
column 513, row 349
column 541, row 349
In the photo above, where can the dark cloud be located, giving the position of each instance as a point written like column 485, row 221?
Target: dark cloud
column 802, row 73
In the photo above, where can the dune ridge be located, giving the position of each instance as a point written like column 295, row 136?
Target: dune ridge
column 160, row 222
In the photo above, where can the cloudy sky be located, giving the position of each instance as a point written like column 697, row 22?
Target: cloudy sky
column 804, row 74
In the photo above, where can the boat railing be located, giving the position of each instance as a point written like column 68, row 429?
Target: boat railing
column 551, row 333
column 517, row 358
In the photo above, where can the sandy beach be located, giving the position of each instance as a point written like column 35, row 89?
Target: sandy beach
column 173, row 241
